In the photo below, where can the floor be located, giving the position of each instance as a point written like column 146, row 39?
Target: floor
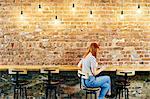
column 139, row 88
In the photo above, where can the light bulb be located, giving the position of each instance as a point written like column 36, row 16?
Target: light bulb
column 21, row 12
column 56, row 21
column 122, row 15
column 21, row 15
column 91, row 14
column 73, row 7
column 138, row 9
column 39, row 8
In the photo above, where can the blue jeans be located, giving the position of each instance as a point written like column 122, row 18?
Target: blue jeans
column 103, row 82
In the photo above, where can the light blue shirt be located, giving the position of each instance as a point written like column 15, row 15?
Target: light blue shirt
column 88, row 64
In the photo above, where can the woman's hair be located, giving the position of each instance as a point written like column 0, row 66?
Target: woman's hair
column 93, row 49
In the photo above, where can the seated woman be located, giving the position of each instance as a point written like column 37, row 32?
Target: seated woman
column 89, row 66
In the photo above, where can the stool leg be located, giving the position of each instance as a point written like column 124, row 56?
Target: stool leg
column 17, row 93
column 86, row 94
column 116, row 92
column 22, row 94
column 95, row 95
column 14, row 92
column 91, row 95
column 46, row 93
column 20, row 89
column 26, row 92
column 50, row 93
column 127, row 93
column 55, row 94
column 119, row 93
column 122, row 92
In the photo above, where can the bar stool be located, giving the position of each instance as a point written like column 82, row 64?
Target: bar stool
column 50, row 84
column 89, row 90
column 123, row 83
column 20, row 90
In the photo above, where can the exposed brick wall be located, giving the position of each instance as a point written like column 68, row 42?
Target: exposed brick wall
column 37, row 40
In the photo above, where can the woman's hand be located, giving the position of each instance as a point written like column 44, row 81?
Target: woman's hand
column 104, row 67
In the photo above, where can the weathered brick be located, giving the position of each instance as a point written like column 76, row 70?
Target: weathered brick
column 36, row 40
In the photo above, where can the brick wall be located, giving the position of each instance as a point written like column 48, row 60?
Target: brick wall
column 36, row 39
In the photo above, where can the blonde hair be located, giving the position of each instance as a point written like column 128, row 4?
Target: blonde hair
column 93, row 49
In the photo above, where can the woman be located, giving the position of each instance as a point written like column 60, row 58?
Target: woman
column 89, row 66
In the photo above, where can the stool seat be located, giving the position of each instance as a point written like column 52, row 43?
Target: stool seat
column 91, row 89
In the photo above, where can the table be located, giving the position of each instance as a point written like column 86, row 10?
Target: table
column 38, row 67
column 71, row 67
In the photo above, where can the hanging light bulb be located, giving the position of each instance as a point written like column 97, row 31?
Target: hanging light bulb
column 21, row 12
column 21, row 15
column 122, row 15
column 139, row 9
column 56, row 22
column 39, row 8
column 91, row 14
column 73, row 7
column 56, row 17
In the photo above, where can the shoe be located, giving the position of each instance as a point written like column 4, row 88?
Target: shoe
column 110, row 96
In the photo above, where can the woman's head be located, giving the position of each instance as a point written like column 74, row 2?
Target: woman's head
column 93, row 49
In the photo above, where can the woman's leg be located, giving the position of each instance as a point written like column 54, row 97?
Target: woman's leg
column 105, row 83
column 104, row 89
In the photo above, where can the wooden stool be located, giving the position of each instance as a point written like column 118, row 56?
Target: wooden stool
column 89, row 91
column 50, row 84
column 122, row 84
column 20, row 91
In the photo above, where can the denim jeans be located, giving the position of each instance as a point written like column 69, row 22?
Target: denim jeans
column 103, row 82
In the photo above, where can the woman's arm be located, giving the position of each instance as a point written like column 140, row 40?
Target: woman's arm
column 80, row 64
column 94, row 65
column 97, row 71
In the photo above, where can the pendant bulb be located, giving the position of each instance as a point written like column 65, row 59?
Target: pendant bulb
column 56, row 17
column 91, row 12
column 21, row 12
column 138, row 6
column 139, row 9
column 122, row 12
column 40, row 6
column 122, row 15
